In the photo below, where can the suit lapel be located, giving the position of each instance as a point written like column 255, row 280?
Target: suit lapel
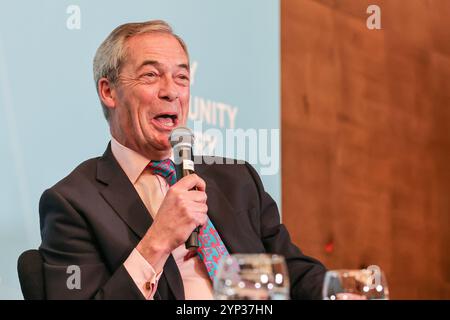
column 121, row 195
column 219, row 213
column 173, row 278
column 234, row 231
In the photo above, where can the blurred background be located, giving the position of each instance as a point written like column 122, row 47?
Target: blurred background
column 362, row 162
column 365, row 118
column 50, row 116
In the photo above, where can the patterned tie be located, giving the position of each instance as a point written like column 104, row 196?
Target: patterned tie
column 211, row 248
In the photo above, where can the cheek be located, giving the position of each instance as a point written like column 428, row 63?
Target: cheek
column 140, row 95
column 185, row 99
column 142, row 103
column 145, row 95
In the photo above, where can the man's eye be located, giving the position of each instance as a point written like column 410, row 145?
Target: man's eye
column 183, row 77
column 151, row 74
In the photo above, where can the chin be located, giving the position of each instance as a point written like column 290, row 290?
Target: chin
column 160, row 143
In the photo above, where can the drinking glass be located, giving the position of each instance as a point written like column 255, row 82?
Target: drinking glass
column 364, row 284
column 252, row 277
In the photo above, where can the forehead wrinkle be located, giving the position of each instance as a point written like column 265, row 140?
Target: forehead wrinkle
column 161, row 66
column 154, row 51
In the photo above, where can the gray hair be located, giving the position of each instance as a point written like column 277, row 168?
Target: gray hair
column 111, row 54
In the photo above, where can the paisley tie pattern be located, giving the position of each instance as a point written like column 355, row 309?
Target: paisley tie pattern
column 211, row 248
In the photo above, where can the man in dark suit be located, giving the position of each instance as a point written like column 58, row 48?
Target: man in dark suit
column 122, row 224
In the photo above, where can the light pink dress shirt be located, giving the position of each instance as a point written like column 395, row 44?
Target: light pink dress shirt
column 152, row 189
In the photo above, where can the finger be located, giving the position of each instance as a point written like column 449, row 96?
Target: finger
column 191, row 181
column 198, row 208
column 201, row 219
column 197, row 196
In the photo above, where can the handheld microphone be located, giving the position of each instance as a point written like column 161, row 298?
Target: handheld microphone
column 182, row 140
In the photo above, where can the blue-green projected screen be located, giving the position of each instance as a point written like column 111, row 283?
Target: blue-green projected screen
column 51, row 119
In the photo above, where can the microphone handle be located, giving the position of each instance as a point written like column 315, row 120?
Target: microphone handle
column 192, row 242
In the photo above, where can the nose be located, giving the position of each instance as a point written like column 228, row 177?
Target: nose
column 168, row 89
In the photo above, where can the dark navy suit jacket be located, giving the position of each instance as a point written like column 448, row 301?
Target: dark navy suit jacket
column 94, row 218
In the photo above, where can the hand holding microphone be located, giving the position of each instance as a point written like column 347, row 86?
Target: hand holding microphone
column 183, row 209
column 182, row 140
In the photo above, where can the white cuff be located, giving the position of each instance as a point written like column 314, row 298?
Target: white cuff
column 142, row 273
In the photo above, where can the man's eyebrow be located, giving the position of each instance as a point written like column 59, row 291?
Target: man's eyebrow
column 184, row 66
column 150, row 62
column 157, row 64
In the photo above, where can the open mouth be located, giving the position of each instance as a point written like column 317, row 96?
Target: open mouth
column 166, row 120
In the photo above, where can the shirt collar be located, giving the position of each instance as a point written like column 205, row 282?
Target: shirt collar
column 132, row 162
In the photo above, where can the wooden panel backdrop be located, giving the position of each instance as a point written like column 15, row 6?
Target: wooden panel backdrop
column 366, row 138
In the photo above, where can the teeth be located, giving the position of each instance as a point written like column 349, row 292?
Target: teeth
column 166, row 121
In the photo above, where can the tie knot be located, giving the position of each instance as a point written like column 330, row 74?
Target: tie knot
column 164, row 168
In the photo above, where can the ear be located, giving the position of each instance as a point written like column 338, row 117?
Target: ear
column 107, row 92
